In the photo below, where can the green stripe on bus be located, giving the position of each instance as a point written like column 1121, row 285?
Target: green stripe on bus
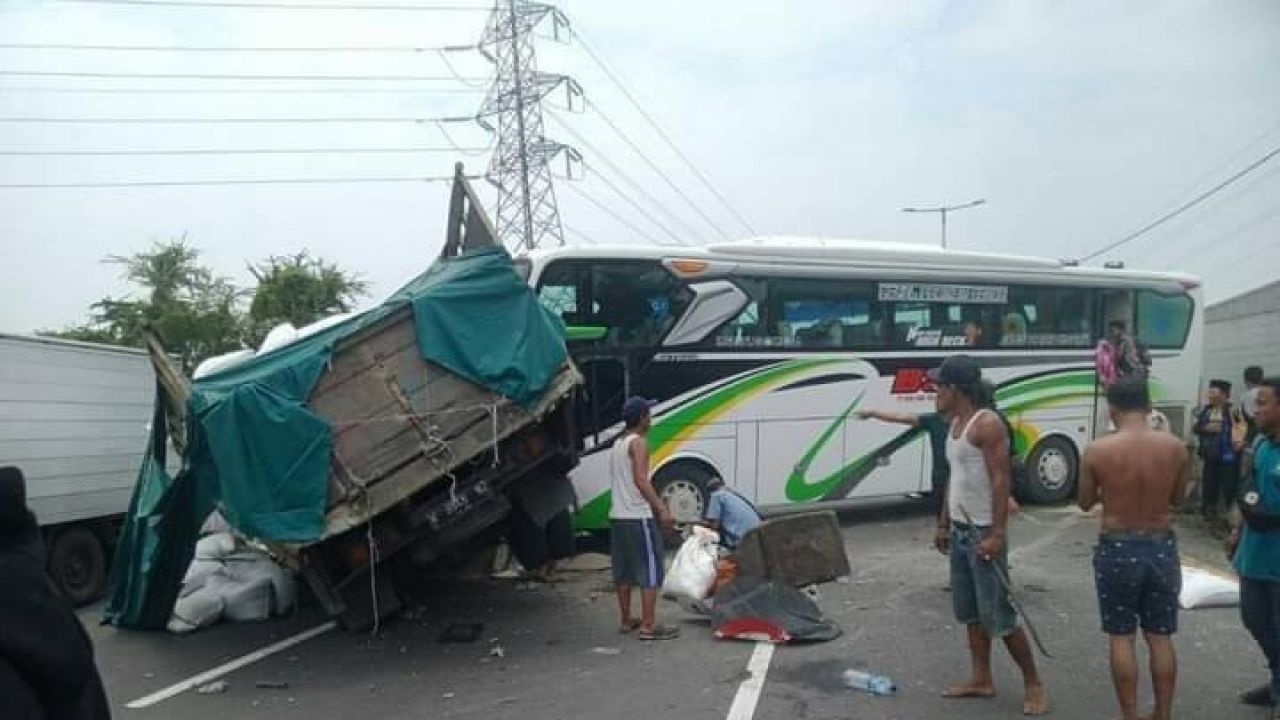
column 595, row 514
column 667, row 429
column 1067, row 379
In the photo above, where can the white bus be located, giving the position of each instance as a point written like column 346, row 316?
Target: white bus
column 759, row 353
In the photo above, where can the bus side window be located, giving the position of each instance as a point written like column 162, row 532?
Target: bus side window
column 563, row 289
column 636, row 303
column 1047, row 317
column 1163, row 320
column 1117, row 306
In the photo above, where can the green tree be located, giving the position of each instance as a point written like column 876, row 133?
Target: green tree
column 300, row 289
column 199, row 314
column 195, row 311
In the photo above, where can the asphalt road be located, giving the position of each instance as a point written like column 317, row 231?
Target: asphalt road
column 553, row 652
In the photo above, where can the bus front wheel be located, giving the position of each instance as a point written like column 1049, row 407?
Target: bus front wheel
column 1051, row 469
column 683, row 487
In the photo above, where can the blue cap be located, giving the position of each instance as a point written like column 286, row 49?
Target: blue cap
column 635, row 408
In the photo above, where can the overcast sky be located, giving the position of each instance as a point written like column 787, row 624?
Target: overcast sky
column 1078, row 122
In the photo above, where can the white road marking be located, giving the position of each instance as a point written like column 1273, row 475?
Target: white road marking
column 744, row 703
column 230, row 667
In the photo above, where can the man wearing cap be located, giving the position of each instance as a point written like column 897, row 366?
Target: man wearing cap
column 971, row 529
column 637, row 519
column 1220, row 480
column 46, row 659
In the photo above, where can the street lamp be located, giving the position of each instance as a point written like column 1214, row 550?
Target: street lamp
column 943, row 210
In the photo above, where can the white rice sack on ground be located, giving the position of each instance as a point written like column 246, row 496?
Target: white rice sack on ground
column 693, row 572
column 252, row 566
column 1203, row 589
column 247, row 602
column 211, row 550
column 196, row 610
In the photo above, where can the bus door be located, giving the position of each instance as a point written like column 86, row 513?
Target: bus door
column 1116, row 306
column 607, row 387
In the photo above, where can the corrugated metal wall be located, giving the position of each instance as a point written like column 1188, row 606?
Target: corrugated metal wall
column 1243, row 331
column 74, row 418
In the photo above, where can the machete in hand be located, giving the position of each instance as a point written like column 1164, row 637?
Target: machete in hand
column 1008, row 589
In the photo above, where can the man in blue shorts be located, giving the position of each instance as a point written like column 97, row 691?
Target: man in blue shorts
column 1140, row 475
column 637, row 520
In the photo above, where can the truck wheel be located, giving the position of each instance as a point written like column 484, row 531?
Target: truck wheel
column 1051, row 471
column 683, row 487
column 78, row 564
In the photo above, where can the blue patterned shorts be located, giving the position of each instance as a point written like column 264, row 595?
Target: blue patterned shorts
column 1139, row 577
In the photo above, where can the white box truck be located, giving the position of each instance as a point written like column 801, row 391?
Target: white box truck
column 74, row 418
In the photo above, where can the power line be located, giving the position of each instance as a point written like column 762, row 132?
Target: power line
column 653, row 166
column 240, row 151
column 612, row 213
column 240, row 48
column 231, row 121
column 638, row 207
column 219, row 76
column 1184, row 207
column 1239, row 193
column 617, row 81
column 286, row 6
column 1229, row 161
column 580, row 235
column 72, row 90
column 635, row 186
column 1235, row 232
column 235, row 181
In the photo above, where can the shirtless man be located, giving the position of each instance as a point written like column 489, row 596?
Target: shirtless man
column 1139, row 475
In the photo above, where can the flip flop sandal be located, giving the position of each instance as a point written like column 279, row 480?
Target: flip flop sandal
column 660, row 632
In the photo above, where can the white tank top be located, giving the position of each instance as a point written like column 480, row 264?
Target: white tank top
column 628, row 503
column 970, row 485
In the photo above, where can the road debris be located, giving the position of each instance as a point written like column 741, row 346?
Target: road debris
column 606, row 650
column 461, row 632
column 271, row 685
column 216, row 687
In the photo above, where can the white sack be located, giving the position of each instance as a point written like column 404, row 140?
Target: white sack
column 1201, row 589
column 694, row 570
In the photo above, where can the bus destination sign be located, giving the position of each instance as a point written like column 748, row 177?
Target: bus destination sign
column 945, row 293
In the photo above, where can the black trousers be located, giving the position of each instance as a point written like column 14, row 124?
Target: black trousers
column 1219, row 485
column 1260, row 610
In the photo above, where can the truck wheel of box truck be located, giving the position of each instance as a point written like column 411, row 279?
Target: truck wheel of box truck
column 78, row 563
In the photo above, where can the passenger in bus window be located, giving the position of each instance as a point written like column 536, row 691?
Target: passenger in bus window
column 973, row 332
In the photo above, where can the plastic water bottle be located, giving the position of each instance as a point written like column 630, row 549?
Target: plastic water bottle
column 866, row 682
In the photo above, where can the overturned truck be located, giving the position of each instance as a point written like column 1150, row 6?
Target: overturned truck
column 392, row 436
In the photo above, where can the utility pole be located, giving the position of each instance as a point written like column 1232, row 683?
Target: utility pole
column 943, row 210
column 527, row 215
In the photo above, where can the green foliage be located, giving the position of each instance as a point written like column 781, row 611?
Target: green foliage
column 299, row 289
column 199, row 314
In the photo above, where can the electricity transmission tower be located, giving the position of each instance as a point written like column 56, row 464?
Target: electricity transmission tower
column 526, row 215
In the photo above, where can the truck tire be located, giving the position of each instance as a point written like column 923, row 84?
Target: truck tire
column 78, row 564
column 1051, row 471
column 683, row 487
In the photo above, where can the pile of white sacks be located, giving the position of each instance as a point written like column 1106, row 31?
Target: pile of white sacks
column 231, row 580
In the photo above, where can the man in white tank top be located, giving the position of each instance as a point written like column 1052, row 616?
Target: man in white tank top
column 637, row 519
column 971, row 530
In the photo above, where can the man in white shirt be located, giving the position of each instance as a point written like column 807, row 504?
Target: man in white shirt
column 637, row 519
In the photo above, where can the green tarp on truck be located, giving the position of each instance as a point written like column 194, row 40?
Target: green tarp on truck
column 255, row 448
